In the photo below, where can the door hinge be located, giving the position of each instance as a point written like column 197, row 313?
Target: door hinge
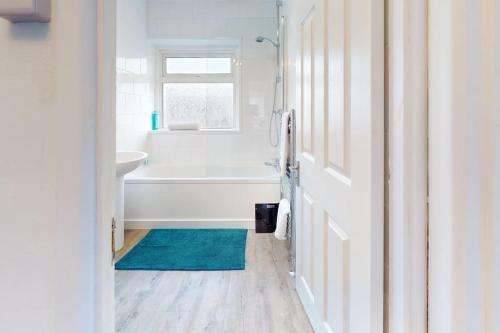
column 113, row 246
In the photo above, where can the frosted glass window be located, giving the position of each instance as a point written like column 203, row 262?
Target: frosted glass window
column 198, row 65
column 209, row 104
column 200, row 86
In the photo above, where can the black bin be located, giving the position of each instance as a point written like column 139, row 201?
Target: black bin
column 265, row 217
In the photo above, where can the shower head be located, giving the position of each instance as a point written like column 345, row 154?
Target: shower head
column 261, row 39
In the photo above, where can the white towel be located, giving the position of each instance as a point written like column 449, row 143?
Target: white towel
column 282, row 221
column 185, row 126
column 285, row 118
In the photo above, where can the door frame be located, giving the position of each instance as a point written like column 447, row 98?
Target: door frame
column 406, row 226
column 106, row 169
column 406, row 242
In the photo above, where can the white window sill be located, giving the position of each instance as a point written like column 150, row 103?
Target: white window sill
column 164, row 131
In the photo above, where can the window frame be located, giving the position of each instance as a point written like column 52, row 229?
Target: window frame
column 233, row 77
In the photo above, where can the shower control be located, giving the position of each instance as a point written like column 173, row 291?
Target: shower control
column 275, row 164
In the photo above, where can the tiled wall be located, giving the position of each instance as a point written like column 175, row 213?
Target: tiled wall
column 187, row 20
column 135, row 65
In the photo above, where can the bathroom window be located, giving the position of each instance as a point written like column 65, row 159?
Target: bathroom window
column 200, row 90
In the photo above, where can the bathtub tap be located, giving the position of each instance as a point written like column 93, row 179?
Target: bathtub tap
column 275, row 164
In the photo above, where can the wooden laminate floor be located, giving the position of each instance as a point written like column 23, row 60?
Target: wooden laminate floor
column 261, row 299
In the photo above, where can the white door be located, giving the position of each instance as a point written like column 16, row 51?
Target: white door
column 337, row 50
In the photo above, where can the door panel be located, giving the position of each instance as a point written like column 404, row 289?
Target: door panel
column 337, row 87
column 338, row 59
column 307, row 84
column 336, row 281
column 307, row 241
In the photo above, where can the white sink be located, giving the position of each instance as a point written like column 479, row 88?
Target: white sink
column 126, row 161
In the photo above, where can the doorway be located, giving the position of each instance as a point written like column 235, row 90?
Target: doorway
column 313, row 278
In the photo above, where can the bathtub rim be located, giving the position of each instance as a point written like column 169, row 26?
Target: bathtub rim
column 203, row 180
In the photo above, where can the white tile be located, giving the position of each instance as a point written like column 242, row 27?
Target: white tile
column 170, row 9
column 141, row 88
column 120, row 64
column 133, row 65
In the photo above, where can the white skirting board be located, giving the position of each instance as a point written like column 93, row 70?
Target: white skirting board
column 189, row 223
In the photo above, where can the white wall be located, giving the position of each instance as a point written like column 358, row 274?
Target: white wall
column 135, row 75
column 406, row 167
column 48, row 171
column 193, row 19
column 464, row 224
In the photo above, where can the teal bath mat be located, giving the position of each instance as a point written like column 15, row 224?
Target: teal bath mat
column 188, row 250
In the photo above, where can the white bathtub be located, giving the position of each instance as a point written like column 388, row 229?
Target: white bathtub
column 192, row 197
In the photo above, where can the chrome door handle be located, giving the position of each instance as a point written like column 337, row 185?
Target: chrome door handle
column 295, row 173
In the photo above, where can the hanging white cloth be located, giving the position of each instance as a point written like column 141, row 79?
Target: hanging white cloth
column 282, row 220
